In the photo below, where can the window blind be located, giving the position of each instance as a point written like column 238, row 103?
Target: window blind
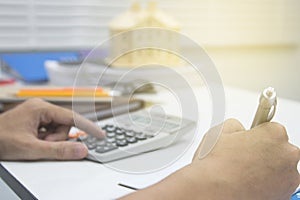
column 55, row 24
column 74, row 24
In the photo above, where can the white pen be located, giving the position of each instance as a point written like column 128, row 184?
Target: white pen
column 266, row 108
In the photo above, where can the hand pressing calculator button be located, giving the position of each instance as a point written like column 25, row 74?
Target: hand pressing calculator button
column 121, row 142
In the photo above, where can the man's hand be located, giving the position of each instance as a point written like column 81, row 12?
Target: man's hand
column 37, row 130
column 256, row 164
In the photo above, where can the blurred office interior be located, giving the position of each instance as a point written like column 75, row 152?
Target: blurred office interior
column 253, row 43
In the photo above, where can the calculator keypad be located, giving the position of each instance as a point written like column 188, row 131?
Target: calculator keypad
column 133, row 135
column 115, row 137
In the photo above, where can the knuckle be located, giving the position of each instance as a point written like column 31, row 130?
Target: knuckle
column 33, row 105
column 233, row 121
column 35, row 101
column 277, row 130
column 276, row 127
column 295, row 151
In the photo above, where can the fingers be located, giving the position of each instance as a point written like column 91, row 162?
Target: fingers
column 60, row 150
column 64, row 116
column 88, row 126
column 294, row 153
column 61, row 133
column 271, row 130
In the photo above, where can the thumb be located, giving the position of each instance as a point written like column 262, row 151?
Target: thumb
column 62, row 150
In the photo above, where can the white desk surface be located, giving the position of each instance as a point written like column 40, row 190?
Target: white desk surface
column 89, row 180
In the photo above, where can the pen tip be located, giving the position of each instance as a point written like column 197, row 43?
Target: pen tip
column 270, row 91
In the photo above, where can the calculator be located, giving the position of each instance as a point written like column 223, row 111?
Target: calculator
column 134, row 133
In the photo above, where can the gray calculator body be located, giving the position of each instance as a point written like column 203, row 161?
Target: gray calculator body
column 134, row 133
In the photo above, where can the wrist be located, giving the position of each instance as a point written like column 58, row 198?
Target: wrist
column 176, row 186
column 198, row 180
column 205, row 179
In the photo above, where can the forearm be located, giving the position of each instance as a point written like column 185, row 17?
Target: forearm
column 186, row 184
column 165, row 189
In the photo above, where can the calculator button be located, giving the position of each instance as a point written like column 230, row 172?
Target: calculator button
column 120, row 132
column 91, row 146
column 91, row 139
column 107, row 126
column 121, row 143
column 111, row 140
column 118, row 128
column 151, row 135
column 101, row 143
column 110, row 134
column 120, row 137
column 105, row 149
column 110, row 144
column 104, row 127
column 130, row 133
column 131, row 139
column 110, row 129
column 141, row 136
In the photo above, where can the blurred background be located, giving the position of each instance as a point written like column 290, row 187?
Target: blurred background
column 254, row 43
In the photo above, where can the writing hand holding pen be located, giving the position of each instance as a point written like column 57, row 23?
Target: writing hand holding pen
column 264, row 113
